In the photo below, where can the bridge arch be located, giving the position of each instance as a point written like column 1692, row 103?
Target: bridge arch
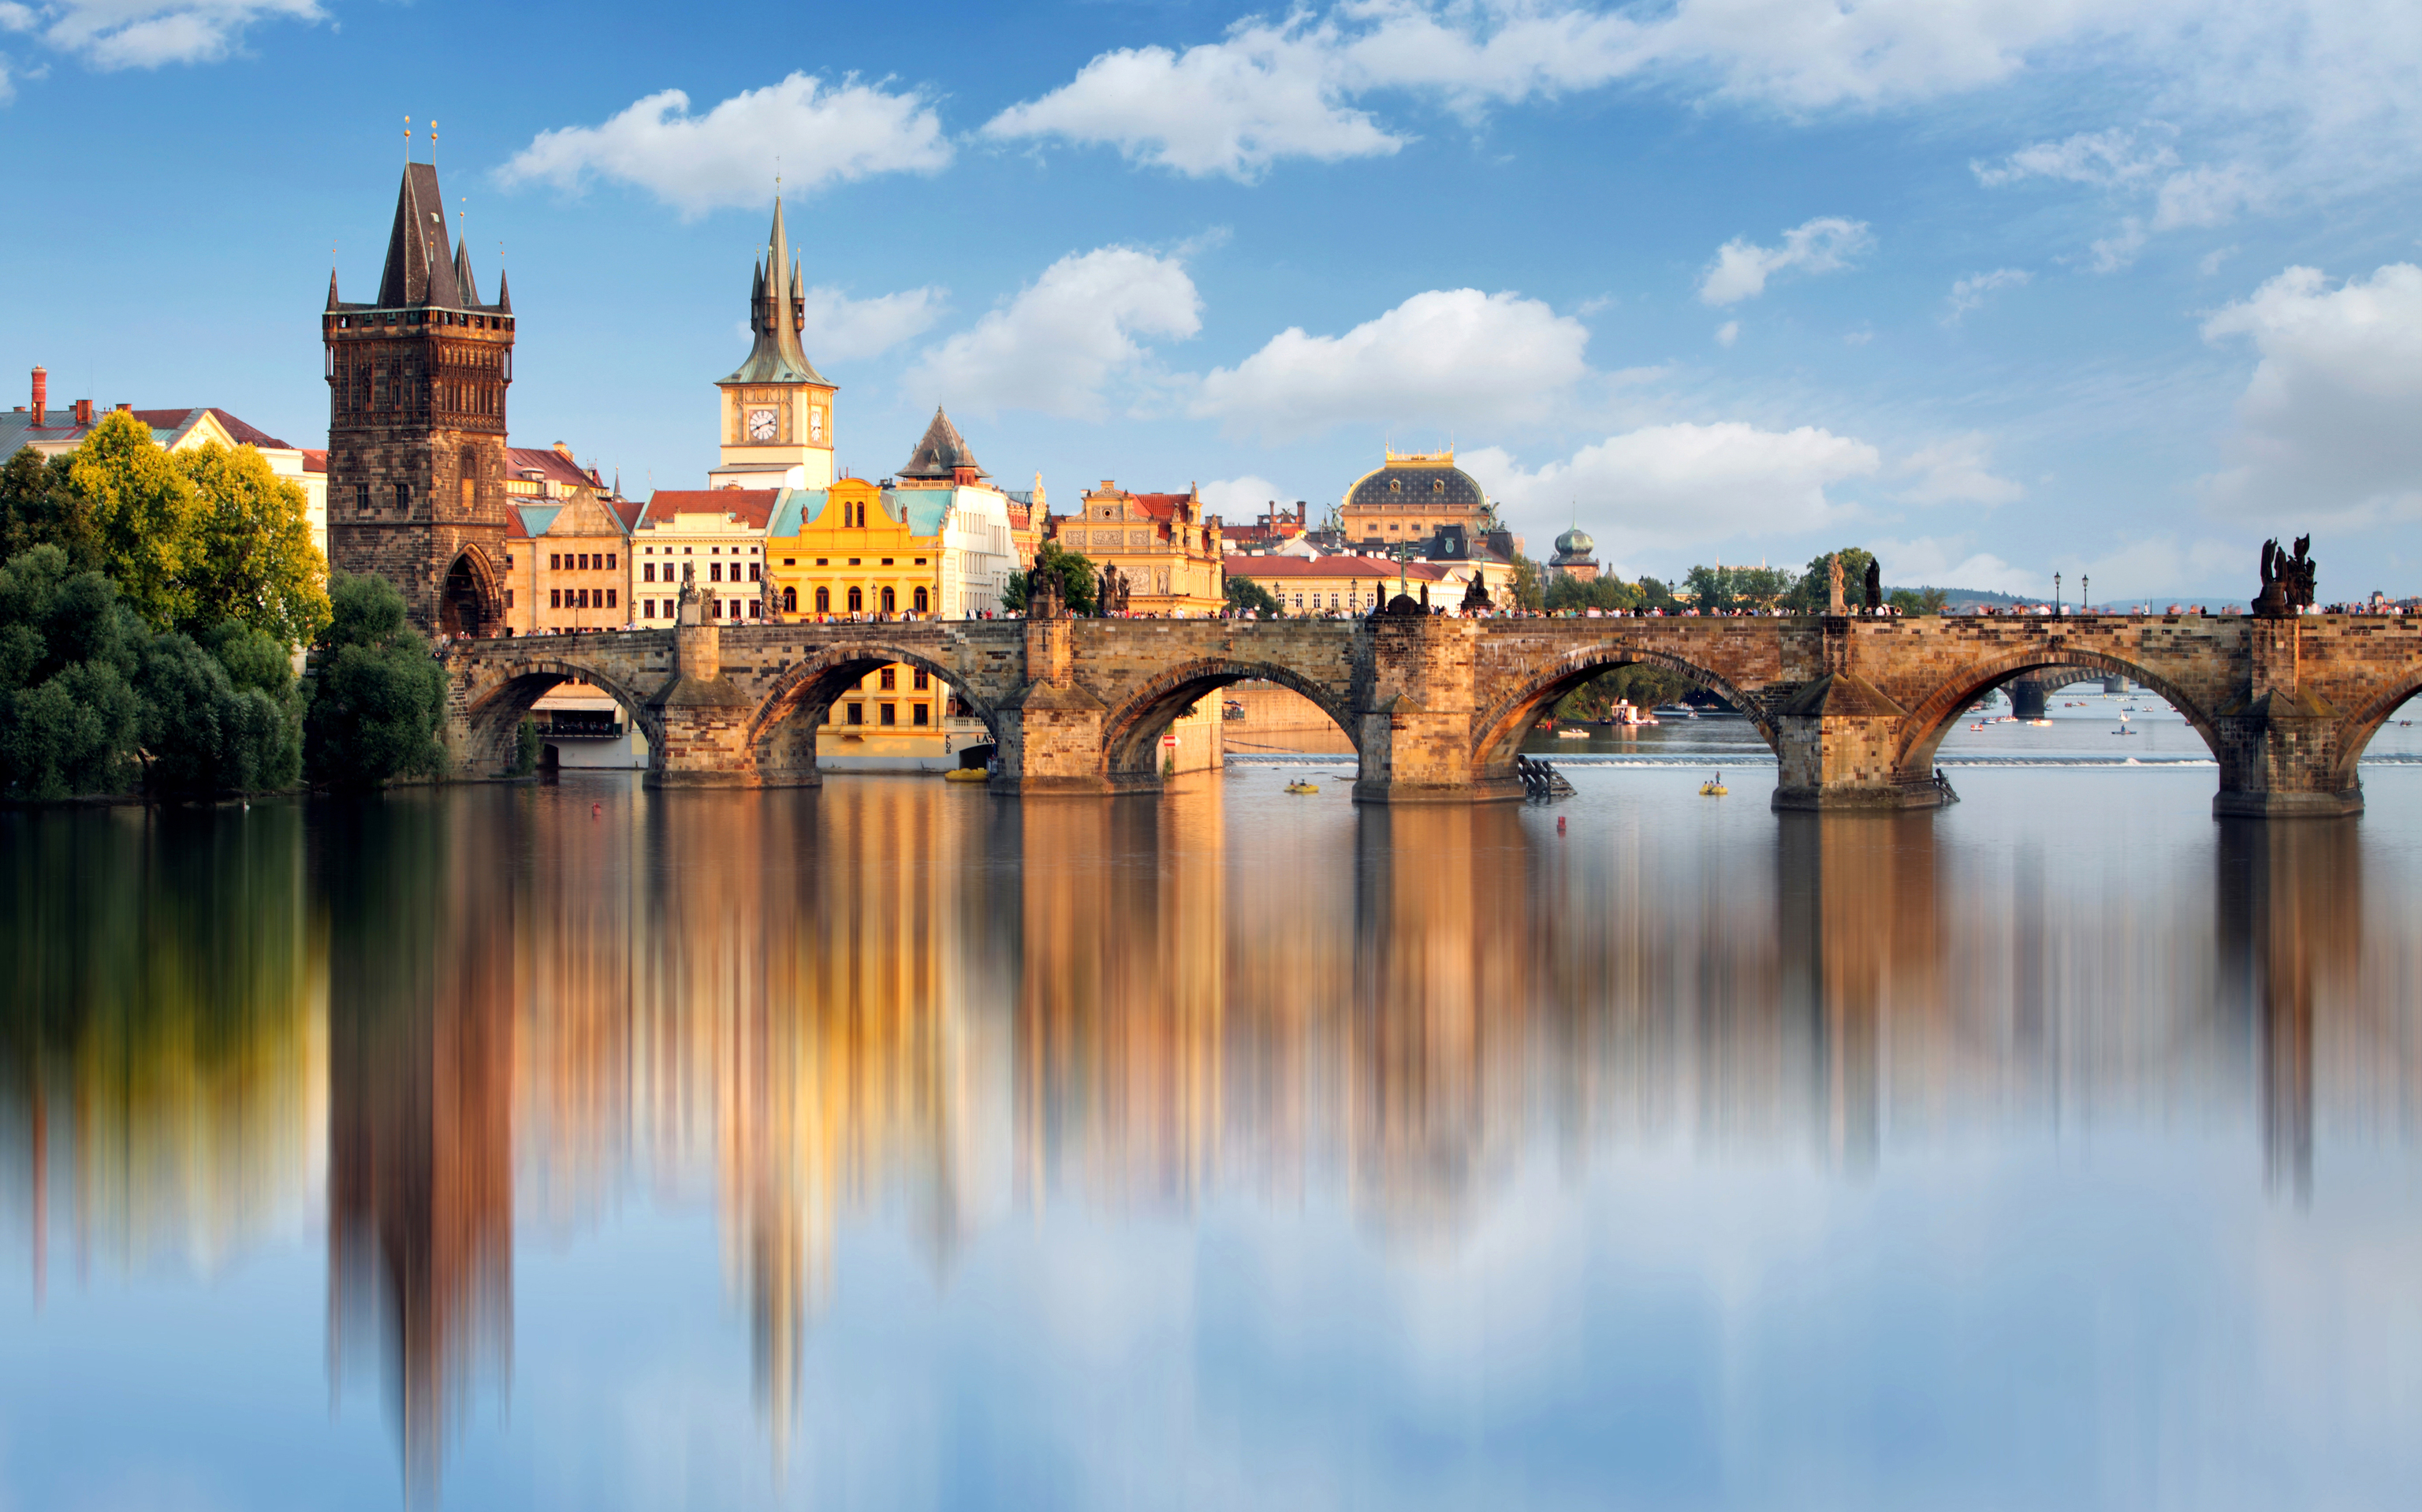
column 1131, row 732
column 1934, row 715
column 1498, row 731
column 2357, row 730
column 781, row 731
column 506, row 687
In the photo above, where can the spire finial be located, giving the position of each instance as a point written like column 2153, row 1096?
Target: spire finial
column 432, row 143
column 407, row 139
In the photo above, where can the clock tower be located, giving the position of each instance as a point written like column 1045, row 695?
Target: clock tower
column 775, row 415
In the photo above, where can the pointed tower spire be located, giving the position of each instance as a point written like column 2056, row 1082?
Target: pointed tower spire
column 418, row 271
column 332, row 289
column 941, row 453
column 504, row 294
column 776, row 310
column 463, row 282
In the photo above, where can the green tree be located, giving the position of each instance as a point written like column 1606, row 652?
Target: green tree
column 1074, row 572
column 1654, row 594
column 146, row 513
column 377, row 695
column 526, row 747
column 1642, row 686
column 1530, row 584
column 202, row 734
column 1813, row 593
column 1916, row 601
column 1244, row 593
column 70, row 648
column 37, row 508
column 255, row 565
column 1568, row 593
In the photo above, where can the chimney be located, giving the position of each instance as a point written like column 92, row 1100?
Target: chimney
column 565, row 452
column 42, row 395
column 84, row 412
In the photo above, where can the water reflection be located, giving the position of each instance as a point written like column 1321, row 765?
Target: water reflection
column 898, row 1000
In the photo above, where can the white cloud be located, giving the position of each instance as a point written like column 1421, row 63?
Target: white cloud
column 1973, row 290
column 1956, row 471
column 2206, row 196
column 2213, row 260
column 1932, row 561
column 1065, row 336
column 840, row 329
column 814, row 132
column 2105, row 159
column 1449, row 356
column 1742, row 267
column 1727, row 333
column 1243, row 500
column 144, row 34
column 1685, row 485
column 2117, row 250
column 2325, row 429
column 1229, row 107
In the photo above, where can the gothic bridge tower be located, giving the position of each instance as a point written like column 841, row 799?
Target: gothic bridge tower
column 417, row 387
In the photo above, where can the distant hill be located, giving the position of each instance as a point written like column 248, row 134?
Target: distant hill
column 1968, row 598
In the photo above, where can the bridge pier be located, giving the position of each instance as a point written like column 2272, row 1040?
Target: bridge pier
column 1838, row 745
column 2029, row 698
column 1417, row 685
column 2279, row 744
column 702, row 714
column 1051, row 735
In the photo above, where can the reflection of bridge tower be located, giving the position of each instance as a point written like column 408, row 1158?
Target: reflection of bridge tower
column 2291, row 929
column 420, row 1122
column 1861, row 939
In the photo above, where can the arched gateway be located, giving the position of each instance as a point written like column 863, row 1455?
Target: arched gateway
column 1436, row 707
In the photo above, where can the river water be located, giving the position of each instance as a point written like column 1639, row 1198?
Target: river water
column 891, row 1145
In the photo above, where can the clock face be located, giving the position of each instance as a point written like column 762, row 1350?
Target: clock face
column 761, row 425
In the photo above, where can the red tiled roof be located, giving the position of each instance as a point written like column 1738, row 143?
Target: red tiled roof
column 628, row 510
column 752, row 507
column 314, row 460
column 249, row 436
column 558, row 467
column 514, row 529
column 1275, row 567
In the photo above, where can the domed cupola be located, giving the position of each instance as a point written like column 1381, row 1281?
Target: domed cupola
column 1575, row 545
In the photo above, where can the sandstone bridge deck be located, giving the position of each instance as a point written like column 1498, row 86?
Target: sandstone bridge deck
column 1436, row 707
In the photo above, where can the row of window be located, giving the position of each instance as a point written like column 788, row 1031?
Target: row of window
column 885, row 714
column 580, row 561
column 712, row 551
column 663, row 608
column 714, row 571
column 577, row 598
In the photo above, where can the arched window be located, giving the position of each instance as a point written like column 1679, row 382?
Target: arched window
column 824, row 601
column 856, row 601
column 919, row 602
column 891, row 602
column 790, row 601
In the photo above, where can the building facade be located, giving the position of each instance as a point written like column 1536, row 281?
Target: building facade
column 1349, row 585
column 1409, row 496
column 416, row 383
column 1166, row 547
column 567, row 547
column 715, row 537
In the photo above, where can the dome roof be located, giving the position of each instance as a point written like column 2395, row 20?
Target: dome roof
column 1432, row 482
column 1575, row 542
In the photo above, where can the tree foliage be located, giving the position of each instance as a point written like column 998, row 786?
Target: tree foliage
column 69, row 652
column 1813, row 593
column 38, row 507
column 1244, row 593
column 378, row 696
column 1719, row 588
column 1073, row 570
column 254, row 564
column 1641, row 685
column 1569, row 592
column 146, row 513
column 1916, row 601
column 1530, row 584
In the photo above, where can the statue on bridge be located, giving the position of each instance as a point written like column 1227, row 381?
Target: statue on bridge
column 1110, row 590
column 1875, row 586
column 1046, row 598
column 2287, row 581
column 1475, row 596
column 1834, row 604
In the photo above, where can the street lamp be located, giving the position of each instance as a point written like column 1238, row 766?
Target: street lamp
column 2055, row 595
column 2084, row 594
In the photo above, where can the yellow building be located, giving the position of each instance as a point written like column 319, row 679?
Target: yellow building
column 1307, row 586
column 854, row 552
column 567, row 539
column 1163, row 545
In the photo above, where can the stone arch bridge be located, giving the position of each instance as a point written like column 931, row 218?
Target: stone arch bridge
column 1436, row 707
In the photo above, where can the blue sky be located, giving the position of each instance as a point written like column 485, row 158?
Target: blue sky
column 1997, row 287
